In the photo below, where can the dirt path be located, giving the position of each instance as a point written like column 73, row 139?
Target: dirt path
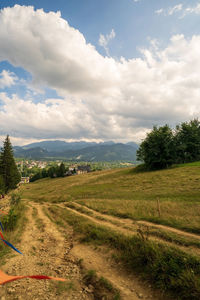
column 128, row 285
column 45, row 251
column 49, row 251
column 129, row 222
column 123, row 226
column 100, row 259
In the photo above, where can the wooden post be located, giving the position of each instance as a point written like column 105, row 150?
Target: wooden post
column 158, row 207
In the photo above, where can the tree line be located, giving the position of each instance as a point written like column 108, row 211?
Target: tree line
column 9, row 174
column 164, row 146
column 53, row 172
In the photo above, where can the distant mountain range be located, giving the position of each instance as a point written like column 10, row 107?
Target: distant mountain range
column 78, row 151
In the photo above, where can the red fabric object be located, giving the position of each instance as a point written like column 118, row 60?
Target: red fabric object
column 1, row 235
column 4, row 278
column 3, row 212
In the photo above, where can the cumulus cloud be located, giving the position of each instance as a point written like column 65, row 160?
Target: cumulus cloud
column 7, row 79
column 53, row 52
column 102, row 98
column 105, row 39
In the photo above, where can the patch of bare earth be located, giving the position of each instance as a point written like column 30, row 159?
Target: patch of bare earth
column 45, row 252
column 100, row 260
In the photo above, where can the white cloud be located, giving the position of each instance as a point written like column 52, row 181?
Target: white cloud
column 7, row 79
column 102, row 98
column 170, row 11
column 159, row 11
column 105, row 39
column 175, row 9
column 179, row 8
column 192, row 10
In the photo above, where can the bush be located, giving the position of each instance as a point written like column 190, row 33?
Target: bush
column 15, row 199
column 10, row 221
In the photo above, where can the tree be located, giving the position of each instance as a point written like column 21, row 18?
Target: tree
column 2, row 185
column 61, row 170
column 36, row 176
column 8, row 168
column 52, row 172
column 187, row 140
column 157, row 151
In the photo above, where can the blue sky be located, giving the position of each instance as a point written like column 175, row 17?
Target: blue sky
column 138, row 58
column 133, row 22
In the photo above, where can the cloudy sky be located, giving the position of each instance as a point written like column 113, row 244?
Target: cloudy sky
column 97, row 70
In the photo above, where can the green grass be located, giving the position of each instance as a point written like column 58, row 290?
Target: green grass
column 62, row 287
column 13, row 224
column 126, row 193
column 102, row 286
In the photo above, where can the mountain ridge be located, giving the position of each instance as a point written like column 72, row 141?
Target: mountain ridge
column 85, row 151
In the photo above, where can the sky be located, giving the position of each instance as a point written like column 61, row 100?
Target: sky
column 97, row 70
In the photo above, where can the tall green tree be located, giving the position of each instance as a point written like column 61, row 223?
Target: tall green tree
column 157, row 151
column 61, row 170
column 187, row 140
column 8, row 168
column 2, row 185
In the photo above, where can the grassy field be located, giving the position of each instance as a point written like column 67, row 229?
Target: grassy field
column 132, row 194
column 127, row 193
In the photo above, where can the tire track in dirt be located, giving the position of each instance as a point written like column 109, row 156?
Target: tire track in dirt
column 121, row 226
column 130, row 222
column 45, row 251
column 130, row 287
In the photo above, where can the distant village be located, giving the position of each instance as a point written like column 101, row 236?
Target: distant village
column 31, row 164
column 26, row 167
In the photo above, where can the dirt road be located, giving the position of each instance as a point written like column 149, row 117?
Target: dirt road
column 50, row 250
column 45, row 251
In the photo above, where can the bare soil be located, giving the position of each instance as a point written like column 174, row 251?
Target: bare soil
column 45, row 252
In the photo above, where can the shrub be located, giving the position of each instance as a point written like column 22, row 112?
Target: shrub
column 15, row 199
column 10, row 221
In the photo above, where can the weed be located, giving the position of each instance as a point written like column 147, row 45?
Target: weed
column 103, row 287
column 13, row 224
column 41, row 240
column 62, row 287
column 15, row 199
column 105, row 283
column 90, row 276
column 10, row 221
column 143, row 232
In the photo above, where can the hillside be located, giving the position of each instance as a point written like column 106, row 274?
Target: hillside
column 109, row 235
column 130, row 194
column 80, row 151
